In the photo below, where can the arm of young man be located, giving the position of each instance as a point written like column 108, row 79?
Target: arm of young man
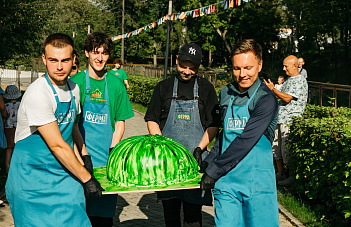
column 118, row 134
column 78, row 142
column 208, row 136
column 154, row 128
column 63, row 151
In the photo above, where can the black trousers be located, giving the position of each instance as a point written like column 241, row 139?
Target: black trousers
column 171, row 212
column 101, row 221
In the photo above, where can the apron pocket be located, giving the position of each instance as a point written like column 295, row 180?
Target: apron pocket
column 34, row 177
column 184, row 117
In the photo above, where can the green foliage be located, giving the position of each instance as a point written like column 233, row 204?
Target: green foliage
column 141, row 88
column 320, row 147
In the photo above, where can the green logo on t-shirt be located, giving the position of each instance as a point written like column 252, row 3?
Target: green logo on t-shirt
column 184, row 117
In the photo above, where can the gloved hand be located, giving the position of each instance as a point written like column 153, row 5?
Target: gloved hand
column 92, row 188
column 207, row 182
column 88, row 164
column 197, row 155
column 203, row 166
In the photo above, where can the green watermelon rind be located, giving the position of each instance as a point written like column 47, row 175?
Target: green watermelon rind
column 163, row 162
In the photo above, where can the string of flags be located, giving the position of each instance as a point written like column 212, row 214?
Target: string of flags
column 203, row 11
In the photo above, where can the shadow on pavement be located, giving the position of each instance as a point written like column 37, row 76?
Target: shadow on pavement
column 153, row 211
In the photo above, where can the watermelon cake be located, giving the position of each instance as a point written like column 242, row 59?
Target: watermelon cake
column 150, row 160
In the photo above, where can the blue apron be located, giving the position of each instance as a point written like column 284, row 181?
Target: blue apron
column 246, row 196
column 40, row 190
column 95, row 127
column 187, row 131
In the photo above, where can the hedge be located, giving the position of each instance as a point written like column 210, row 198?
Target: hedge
column 319, row 144
column 141, row 88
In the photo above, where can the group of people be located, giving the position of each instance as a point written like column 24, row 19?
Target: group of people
column 65, row 128
column 68, row 126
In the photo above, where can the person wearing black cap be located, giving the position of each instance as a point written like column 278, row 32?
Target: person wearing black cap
column 185, row 108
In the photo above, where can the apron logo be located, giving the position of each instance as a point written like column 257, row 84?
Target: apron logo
column 63, row 118
column 236, row 123
column 185, row 117
column 96, row 118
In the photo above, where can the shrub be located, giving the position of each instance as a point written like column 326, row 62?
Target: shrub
column 141, row 88
column 320, row 143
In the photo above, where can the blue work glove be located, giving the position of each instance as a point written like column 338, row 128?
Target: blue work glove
column 88, row 164
column 92, row 188
column 207, row 182
column 197, row 155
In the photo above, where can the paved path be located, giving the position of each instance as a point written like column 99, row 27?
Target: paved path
column 138, row 209
column 142, row 209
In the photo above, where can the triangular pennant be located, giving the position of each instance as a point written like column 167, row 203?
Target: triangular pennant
column 202, row 12
column 231, row 3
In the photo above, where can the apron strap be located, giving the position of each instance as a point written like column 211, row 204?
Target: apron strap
column 196, row 90
column 53, row 89
column 175, row 88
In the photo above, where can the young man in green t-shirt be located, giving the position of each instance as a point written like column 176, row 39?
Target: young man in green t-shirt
column 119, row 72
column 105, row 107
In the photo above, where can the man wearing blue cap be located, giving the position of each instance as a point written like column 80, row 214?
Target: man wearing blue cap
column 196, row 99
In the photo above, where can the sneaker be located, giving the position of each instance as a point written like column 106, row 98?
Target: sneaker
column 286, row 183
column 279, row 177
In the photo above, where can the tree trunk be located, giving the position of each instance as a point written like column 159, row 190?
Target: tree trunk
column 122, row 47
column 184, row 31
column 154, row 54
column 210, row 60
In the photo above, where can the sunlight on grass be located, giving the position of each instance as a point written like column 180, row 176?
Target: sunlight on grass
column 139, row 107
column 301, row 211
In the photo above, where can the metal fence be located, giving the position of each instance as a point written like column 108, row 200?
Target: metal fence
column 326, row 94
column 323, row 94
column 20, row 76
column 144, row 70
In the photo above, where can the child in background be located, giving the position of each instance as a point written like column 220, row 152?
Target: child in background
column 11, row 94
column 280, row 83
column 119, row 72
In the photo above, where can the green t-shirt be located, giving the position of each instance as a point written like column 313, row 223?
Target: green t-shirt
column 120, row 73
column 119, row 104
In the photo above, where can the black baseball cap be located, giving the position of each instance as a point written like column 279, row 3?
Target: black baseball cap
column 190, row 52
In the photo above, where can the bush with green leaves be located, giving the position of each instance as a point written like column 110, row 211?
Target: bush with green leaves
column 320, row 145
column 141, row 88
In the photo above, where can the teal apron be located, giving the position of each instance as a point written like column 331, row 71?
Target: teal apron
column 189, row 133
column 246, row 196
column 40, row 190
column 95, row 127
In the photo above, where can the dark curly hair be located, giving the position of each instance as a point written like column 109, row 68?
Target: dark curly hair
column 98, row 39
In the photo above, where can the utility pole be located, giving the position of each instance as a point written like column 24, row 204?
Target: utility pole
column 86, row 62
column 122, row 48
column 167, row 42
